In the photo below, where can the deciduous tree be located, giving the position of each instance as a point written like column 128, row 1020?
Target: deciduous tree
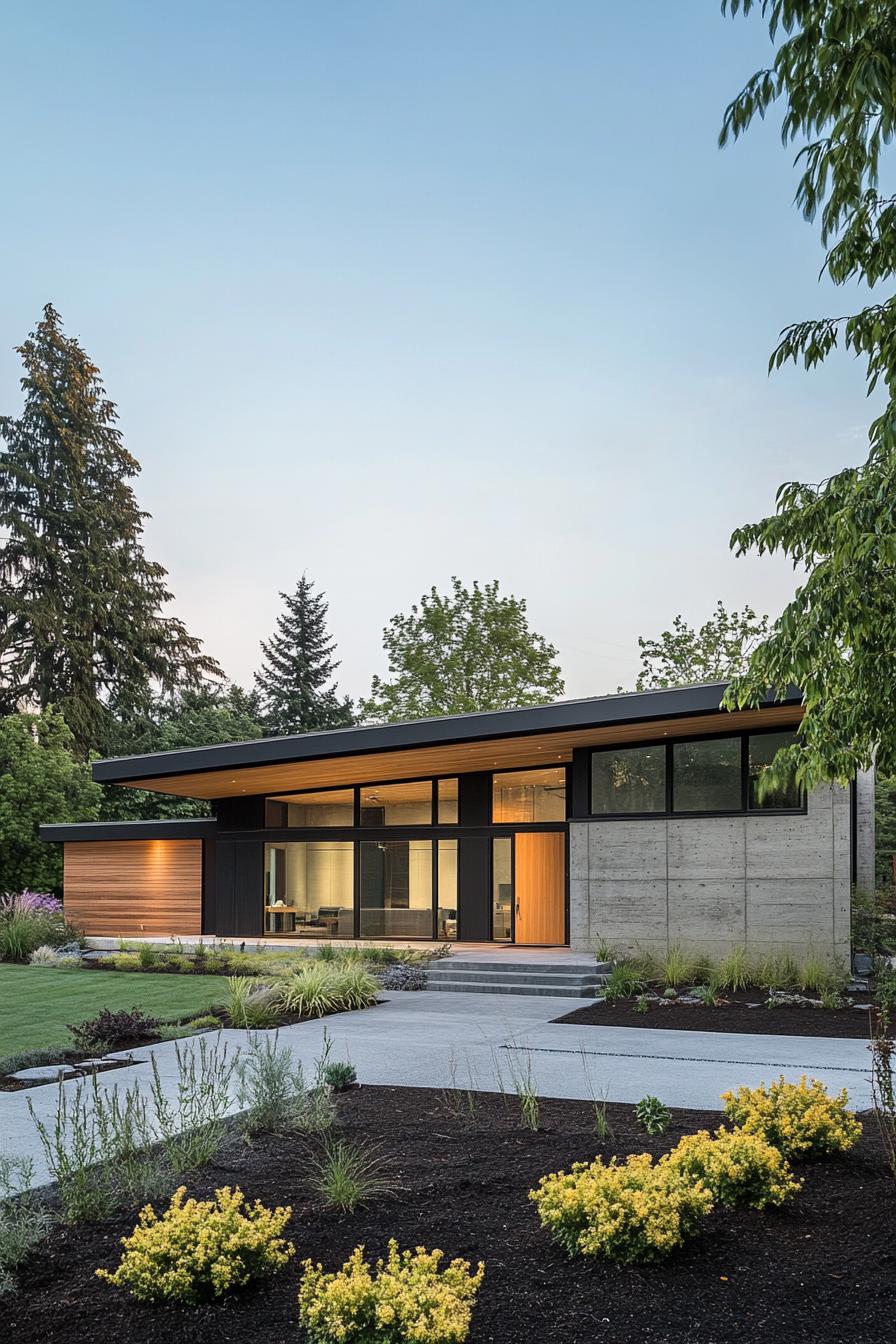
column 40, row 781
column 834, row 76
column 685, row 655
column 468, row 650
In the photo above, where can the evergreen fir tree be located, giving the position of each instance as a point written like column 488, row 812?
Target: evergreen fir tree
column 81, row 623
column 298, row 666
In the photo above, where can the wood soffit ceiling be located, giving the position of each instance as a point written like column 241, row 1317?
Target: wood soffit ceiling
column 550, row 748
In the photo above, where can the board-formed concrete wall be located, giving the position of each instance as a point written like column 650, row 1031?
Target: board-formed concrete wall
column 713, row 882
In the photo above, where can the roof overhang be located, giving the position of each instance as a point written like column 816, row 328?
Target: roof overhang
column 502, row 739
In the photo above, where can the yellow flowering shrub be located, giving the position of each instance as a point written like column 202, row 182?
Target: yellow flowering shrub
column 736, row 1166
column 200, row 1249
column 406, row 1299
column 801, row 1120
column 628, row 1212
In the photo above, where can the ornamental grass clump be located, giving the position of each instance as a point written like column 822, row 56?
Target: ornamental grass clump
column 737, row 1167
column 201, row 1249
column 630, row 1212
column 322, row 987
column 800, row 1120
column 408, row 1298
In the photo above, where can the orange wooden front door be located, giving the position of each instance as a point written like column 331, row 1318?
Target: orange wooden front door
column 539, row 880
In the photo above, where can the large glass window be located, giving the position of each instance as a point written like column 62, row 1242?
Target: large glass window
column 706, row 776
column 396, row 889
column 309, row 888
column 408, row 804
column 502, row 887
column 762, row 750
column 328, row 807
column 520, row 796
column 447, row 794
column 628, row 780
column 447, row 875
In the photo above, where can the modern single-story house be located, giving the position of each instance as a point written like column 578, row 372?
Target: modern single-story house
column 633, row 818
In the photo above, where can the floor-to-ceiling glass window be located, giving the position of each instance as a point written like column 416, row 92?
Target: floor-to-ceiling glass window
column 395, row 888
column 502, row 887
column 446, row 926
column 309, row 888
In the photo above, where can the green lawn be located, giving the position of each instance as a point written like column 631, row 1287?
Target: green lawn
column 36, row 1002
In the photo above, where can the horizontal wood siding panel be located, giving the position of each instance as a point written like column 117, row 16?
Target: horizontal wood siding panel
column 456, row 758
column 134, row 887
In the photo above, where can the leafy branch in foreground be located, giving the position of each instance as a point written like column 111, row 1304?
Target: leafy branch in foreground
column 833, row 73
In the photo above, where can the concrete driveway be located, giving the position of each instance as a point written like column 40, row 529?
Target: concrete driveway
column 430, row 1039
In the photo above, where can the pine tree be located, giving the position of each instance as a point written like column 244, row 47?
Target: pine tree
column 81, row 623
column 297, row 667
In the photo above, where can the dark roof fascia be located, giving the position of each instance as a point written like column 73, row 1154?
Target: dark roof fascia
column 184, row 828
column 639, row 707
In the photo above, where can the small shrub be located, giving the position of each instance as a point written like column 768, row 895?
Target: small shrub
column 800, row 1120
column 147, row 956
column 175, row 1031
column 28, row 920
column 707, row 994
column 642, row 1004
column 734, row 971
column 24, row 1219
column 249, row 1004
column 346, row 1175
column 622, row 982
column 44, row 956
column 405, row 1299
column 192, row 1127
column 31, row 1059
column 111, row 1028
column 678, row 967
column 317, row 989
column 273, row 1092
column 122, row 961
column 340, row 1075
column 603, row 951
column 652, row 1115
column 75, row 1154
column 737, row 1167
column 630, row 1212
column 778, row 970
column 201, row 1249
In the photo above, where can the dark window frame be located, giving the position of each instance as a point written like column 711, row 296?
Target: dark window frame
column 670, row 813
column 565, row 766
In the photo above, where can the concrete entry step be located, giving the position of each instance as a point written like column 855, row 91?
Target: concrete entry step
column 563, row 978
column 555, row 990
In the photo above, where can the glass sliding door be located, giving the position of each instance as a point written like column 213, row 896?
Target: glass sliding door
column 446, row 924
column 309, row 888
column 395, row 889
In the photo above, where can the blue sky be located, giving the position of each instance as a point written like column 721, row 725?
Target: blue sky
column 399, row 290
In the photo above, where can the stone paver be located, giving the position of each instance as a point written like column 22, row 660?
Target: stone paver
column 429, row 1039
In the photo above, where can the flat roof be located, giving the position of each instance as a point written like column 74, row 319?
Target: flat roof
column 492, row 738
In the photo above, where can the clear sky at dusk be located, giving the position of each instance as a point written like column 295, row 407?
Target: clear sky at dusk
column 389, row 291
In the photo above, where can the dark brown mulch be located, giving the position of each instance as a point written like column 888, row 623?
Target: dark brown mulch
column 821, row 1271
column 733, row 1015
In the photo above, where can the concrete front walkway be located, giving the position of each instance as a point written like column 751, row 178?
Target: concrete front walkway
column 429, row 1039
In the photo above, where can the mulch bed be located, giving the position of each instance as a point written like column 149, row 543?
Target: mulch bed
column 734, row 1015
column 821, row 1271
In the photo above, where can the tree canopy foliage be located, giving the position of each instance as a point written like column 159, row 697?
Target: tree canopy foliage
column 40, row 782
column 295, row 681
column 471, row 649
column 834, row 76
column 82, row 622
column 200, row 717
column 716, row 651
